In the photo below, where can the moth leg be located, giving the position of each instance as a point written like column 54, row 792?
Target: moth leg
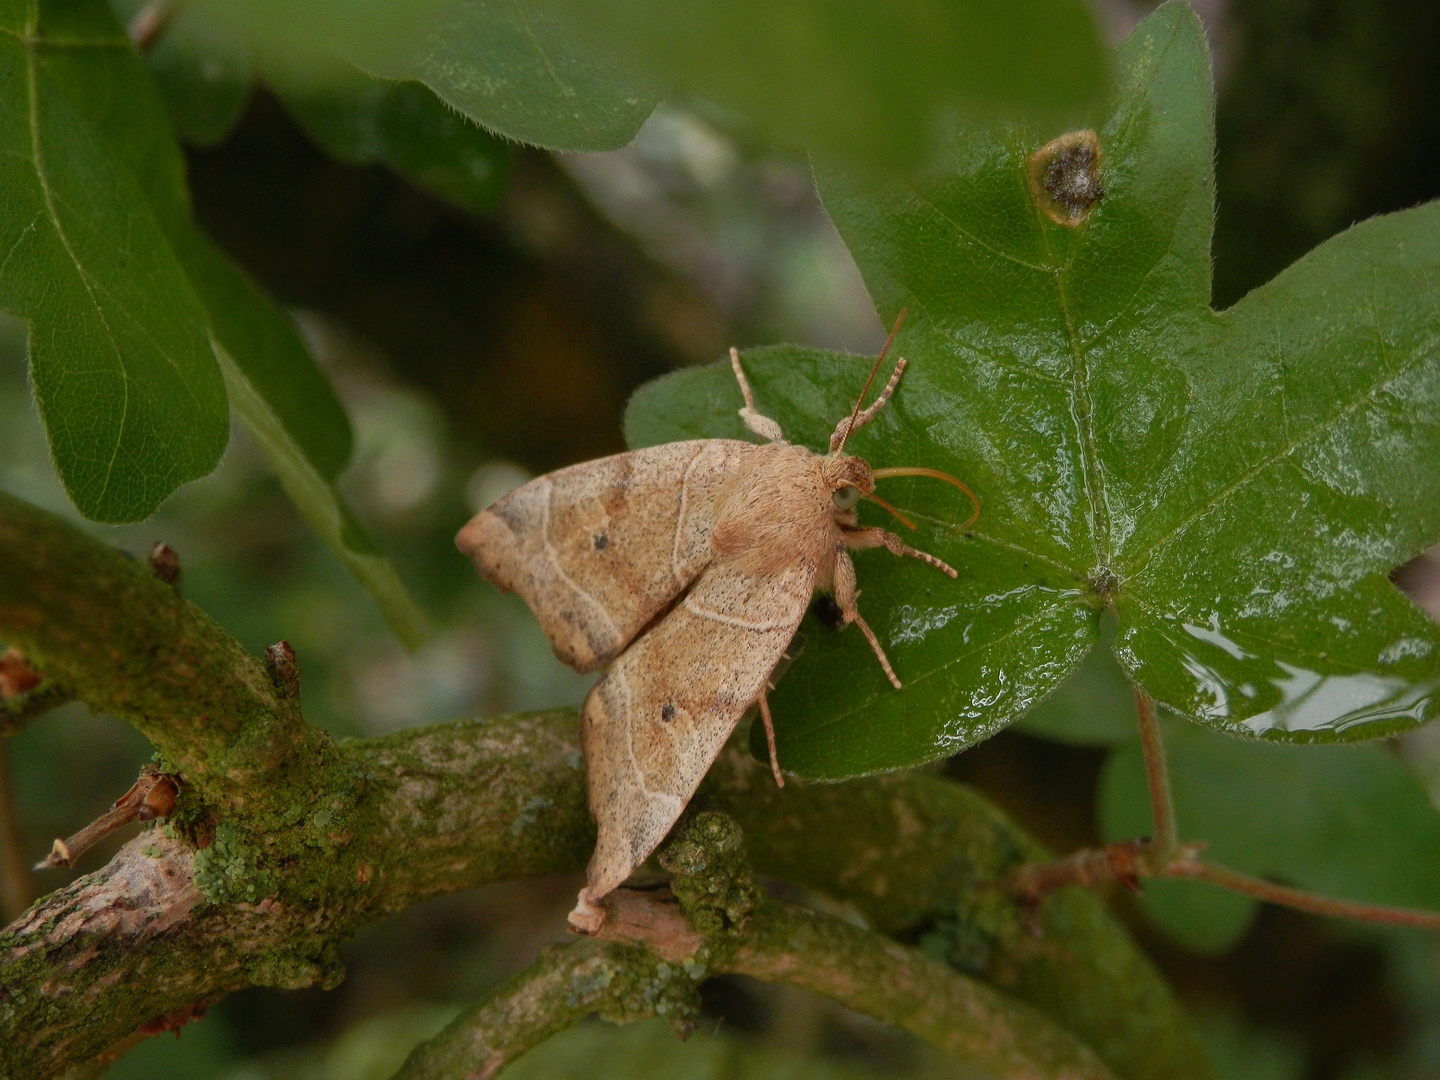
column 845, row 595
column 872, row 537
column 761, row 425
column 770, row 737
column 845, row 428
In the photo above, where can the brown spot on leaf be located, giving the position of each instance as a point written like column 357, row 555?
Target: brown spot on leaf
column 1064, row 177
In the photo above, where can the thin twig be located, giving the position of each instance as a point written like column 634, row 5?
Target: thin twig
column 17, row 886
column 1300, row 900
column 1163, row 856
column 150, row 797
column 1165, row 838
column 1131, row 861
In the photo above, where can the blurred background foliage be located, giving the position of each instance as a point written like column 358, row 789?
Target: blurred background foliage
column 485, row 310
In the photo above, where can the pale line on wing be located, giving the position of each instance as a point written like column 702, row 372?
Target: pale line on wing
column 555, row 562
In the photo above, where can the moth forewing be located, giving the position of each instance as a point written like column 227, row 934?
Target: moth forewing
column 687, row 568
column 598, row 549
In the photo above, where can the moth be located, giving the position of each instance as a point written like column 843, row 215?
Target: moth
column 686, row 568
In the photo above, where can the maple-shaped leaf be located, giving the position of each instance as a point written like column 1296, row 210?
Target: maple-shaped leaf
column 1234, row 485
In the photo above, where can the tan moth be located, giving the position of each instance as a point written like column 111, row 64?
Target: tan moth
column 686, row 568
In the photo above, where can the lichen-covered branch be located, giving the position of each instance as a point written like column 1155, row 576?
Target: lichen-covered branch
column 717, row 922
column 973, row 1022
column 163, row 925
column 568, row 983
column 284, row 842
column 126, row 643
column 929, row 861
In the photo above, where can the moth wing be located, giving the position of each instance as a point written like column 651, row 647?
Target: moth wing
column 598, row 549
column 654, row 724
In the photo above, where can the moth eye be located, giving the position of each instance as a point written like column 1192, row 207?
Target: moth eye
column 846, row 498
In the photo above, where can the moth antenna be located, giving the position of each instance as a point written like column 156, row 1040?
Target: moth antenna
column 857, row 419
column 757, row 422
column 898, row 516
column 916, row 470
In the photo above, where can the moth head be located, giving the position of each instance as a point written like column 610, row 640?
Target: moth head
column 849, row 480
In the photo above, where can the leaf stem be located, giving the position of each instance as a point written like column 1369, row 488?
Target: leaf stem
column 1299, row 899
column 1165, row 838
column 1130, row 861
column 1164, row 856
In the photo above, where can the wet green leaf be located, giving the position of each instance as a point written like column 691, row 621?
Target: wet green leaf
column 1346, row 821
column 1094, row 706
column 1234, row 485
column 359, row 119
column 119, row 352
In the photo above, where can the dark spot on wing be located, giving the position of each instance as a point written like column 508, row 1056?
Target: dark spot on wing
column 602, row 541
column 667, row 713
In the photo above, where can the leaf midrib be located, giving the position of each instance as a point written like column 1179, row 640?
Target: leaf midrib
column 1082, row 413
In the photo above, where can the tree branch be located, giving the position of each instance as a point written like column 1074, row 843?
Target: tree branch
column 126, row 644
column 781, row 943
column 283, row 843
column 930, row 862
column 717, row 922
column 567, row 984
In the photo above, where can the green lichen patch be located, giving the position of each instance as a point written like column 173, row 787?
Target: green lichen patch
column 712, row 881
column 231, row 870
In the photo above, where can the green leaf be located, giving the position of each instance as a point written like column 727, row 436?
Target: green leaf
column 133, row 402
column 868, row 84
column 1094, row 706
column 359, row 119
column 322, row 506
column 118, row 132
column 203, row 72
column 1345, row 821
column 512, row 67
column 291, row 410
column 1234, row 486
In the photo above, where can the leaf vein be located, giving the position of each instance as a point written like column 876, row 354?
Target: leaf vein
column 1141, row 559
